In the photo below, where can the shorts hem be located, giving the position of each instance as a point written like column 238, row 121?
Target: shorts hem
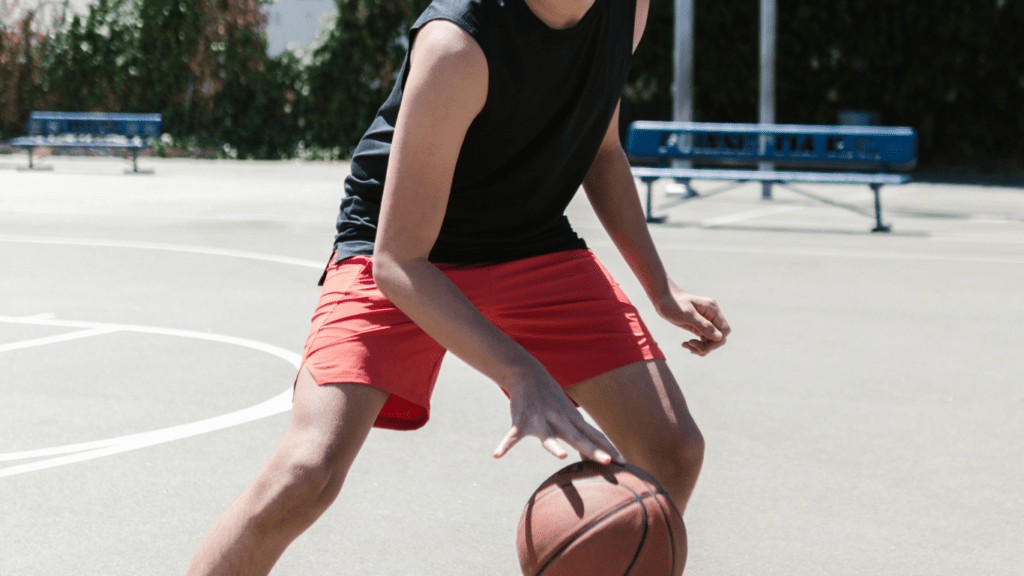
column 645, row 356
column 418, row 412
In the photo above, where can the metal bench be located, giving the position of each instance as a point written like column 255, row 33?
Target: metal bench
column 853, row 154
column 90, row 130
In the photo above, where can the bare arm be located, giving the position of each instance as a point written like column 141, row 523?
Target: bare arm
column 612, row 192
column 445, row 90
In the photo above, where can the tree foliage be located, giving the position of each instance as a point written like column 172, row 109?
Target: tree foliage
column 954, row 70
column 354, row 69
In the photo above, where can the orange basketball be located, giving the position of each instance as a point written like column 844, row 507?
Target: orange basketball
column 590, row 519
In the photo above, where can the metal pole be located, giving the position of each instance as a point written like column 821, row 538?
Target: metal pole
column 766, row 108
column 682, row 75
column 682, row 59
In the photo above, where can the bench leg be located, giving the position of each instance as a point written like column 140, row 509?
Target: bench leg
column 32, row 161
column 766, row 190
column 690, row 192
column 651, row 218
column 879, row 226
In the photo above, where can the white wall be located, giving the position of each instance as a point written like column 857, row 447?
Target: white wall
column 296, row 22
column 292, row 22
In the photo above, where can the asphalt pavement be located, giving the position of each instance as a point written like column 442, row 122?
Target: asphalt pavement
column 866, row 416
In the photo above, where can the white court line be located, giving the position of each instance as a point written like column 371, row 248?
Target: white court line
column 286, row 355
column 748, row 215
column 96, row 449
column 281, row 403
column 822, row 253
column 165, row 247
column 276, row 405
column 978, row 238
column 99, row 448
column 592, row 242
column 55, row 339
column 43, row 316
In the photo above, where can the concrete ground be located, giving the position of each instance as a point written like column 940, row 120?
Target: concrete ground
column 866, row 417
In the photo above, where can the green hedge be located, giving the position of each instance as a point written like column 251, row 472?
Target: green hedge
column 354, row 68
column 952, row 69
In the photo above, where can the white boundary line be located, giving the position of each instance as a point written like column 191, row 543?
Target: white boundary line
column 99, row 448
column 592, row 242
column 748, row 215
column 165, row 247
column 281, row 403
column 286, row 355
column 96, row 449
column 604, row 243
column 55, row 339
column 90, row 450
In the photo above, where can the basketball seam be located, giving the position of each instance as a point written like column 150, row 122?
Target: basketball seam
column 643, row 538
column 668, row 526
column 585, row 529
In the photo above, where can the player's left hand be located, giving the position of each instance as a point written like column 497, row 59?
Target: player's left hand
column 697, row 314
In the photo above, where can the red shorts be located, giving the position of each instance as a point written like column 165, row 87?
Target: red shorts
column 563, row 308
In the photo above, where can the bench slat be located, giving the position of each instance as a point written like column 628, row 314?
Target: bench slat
column 44, row 125
column 24, row 142
column 770, row 175
column 851, row 145
column 121, row 124
column 859, row 147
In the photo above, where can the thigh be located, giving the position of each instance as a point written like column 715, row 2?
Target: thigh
column 636, row 404
column 643, row 412
column 329, row 423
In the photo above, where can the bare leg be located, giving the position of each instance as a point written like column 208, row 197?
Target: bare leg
column 642, row 411
column 297, row 484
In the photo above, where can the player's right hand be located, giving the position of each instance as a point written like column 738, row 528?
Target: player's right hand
column 541, row 409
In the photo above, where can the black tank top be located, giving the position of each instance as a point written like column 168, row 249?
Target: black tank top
column 551, row 96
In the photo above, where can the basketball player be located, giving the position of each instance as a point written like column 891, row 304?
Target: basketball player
column 452, row 236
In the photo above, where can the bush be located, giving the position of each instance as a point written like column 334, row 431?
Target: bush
column 953, row 70
column 201, row 63
column 354, row 69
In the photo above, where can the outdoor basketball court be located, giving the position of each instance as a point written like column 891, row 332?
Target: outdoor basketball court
column 866, row 417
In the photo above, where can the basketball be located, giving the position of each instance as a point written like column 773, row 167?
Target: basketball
column 591, row 519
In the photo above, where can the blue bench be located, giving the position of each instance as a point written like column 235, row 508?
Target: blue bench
column 852, row 154
column 90, row 130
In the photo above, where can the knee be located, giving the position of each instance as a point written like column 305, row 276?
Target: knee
column 312, row 480
column 296, row 488
column 675, row 460
column 684, row 454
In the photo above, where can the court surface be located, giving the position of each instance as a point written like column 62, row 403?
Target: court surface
column 866, row 417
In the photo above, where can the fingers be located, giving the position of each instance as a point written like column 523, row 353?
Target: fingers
column 552, row 445
column 592, row 444
column 711, row 322
column 548, row 441
column 718, row 319
column 589, row 442
column 510, row 440
column 704, row 346
column 707, row 323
